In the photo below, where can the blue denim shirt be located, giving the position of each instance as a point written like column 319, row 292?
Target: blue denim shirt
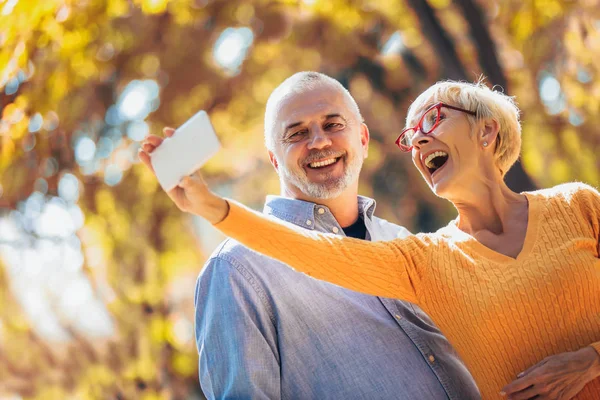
column 264, row 331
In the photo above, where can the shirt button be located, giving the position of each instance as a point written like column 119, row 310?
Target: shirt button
column 398, row 316
column 335, row 229
column 308, row 222
column 431, row 359
column 321, row 211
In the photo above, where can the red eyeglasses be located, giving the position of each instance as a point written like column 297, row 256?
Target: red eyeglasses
column 428, row 122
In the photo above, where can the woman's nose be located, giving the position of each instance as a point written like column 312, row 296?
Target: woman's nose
column 420, row 139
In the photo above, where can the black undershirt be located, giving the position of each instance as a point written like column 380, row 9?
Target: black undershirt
column 357, row 230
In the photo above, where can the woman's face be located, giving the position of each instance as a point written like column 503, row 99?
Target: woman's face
column 449, row 158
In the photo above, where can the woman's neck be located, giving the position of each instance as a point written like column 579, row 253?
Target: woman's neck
column 489, row 207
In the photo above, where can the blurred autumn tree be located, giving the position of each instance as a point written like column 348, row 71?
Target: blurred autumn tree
column 99, row 268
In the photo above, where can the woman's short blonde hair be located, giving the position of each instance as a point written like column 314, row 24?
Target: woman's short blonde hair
column 487, row 103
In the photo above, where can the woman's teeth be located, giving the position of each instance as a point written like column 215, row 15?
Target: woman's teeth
column 429, row 159
column 323, row 163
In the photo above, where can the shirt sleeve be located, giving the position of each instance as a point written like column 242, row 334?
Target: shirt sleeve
column 387, row 269
column 235, row 336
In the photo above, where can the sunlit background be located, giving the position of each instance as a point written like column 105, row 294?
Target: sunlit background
column 97, row 267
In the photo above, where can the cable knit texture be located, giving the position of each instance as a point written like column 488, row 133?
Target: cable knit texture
column 502, row 315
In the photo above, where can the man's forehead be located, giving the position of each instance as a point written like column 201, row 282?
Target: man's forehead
column 300, row 106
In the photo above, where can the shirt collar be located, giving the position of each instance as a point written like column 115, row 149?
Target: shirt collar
column 300, row 212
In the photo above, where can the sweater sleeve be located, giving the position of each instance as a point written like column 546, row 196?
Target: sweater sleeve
column 388, row 269
column 588, row 200
column 596, row 346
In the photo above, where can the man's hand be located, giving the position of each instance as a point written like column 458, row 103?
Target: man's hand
column 561, row 376
column 191, row 195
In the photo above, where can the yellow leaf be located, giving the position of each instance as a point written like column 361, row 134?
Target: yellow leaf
column 154, row 6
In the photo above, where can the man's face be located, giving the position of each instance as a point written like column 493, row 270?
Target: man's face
column 319, row 143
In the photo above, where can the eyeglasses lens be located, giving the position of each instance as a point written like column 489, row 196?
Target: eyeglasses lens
column 429, row 120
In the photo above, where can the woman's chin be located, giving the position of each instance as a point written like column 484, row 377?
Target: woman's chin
column 441, row 182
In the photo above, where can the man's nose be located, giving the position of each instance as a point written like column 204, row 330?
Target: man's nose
column 319, row 138
column 420, row 139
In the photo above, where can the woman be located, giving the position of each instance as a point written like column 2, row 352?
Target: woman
column 513, row 281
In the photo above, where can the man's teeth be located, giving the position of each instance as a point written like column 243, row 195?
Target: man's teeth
column 322, row 163
column 433, row 155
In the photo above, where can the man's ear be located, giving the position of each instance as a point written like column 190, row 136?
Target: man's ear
column 273, row 161
column 489, row 133
column 365, row 136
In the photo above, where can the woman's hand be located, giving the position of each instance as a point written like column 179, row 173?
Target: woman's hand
column 191, row 195
column 561, row 376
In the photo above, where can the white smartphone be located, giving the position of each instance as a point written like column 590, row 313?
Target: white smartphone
column 182, row 154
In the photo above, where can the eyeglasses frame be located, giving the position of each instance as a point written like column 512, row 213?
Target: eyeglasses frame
column 419, row 125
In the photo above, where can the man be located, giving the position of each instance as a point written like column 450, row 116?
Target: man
column 264, row 331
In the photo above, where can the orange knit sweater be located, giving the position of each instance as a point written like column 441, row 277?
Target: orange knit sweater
column 502, row 315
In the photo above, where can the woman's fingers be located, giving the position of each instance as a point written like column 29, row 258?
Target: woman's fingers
column 150, row 143
column 154, row 140
column 147, row 147
column 145, row 158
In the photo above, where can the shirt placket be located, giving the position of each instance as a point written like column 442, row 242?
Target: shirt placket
column 423, row 348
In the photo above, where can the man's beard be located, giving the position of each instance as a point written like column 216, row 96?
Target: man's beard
column 331, row 187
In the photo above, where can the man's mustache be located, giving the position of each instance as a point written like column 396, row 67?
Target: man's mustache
column 319, row 155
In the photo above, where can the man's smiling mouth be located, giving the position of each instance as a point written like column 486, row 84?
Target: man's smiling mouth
column 323, row 163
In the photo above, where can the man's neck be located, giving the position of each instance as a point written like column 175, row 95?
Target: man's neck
column 344, row 207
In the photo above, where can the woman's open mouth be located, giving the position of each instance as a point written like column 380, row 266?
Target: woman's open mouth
column 435, row 161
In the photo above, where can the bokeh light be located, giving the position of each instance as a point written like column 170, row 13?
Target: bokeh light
column 231, row 48
column 551, row 93
column 394, row 45
column 85, row 149
column 68, row 188
column 136, row 101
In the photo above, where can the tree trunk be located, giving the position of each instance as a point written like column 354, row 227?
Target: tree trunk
column 439, row 39
column 516, row 178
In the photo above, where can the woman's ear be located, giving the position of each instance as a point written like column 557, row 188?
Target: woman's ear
column 489, row 134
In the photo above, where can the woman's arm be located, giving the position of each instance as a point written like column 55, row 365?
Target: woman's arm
column 388, row 269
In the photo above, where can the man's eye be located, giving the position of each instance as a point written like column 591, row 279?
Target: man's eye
column 296, row 135
column 333, row 125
